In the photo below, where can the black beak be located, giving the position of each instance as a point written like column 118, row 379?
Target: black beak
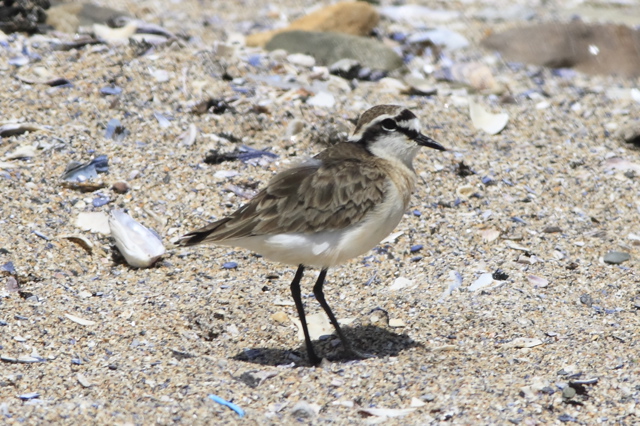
column 423, row 140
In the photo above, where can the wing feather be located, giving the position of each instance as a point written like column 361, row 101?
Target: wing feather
column 335, row 189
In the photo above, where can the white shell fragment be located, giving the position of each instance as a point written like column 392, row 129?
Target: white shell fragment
column 453, row 283
column 397, row 323
column 160, row 76
column 483, row 281
column 139, row 246
column 524, row 342
column 400, row 283
column 82, row 379
column 617, row 163
column 79, row 320
column 465, row 191
column 387, row 412
column 24, row 151
column 484, row 120
column 188, row 138
column 11, row 129
column 97, row 222
column 490, row 235
column 517, row 246
column 538, row 281
column 322, row 99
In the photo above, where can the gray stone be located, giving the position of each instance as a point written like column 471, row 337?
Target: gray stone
column 303, row 410
column 616, row 257
column 329, row 48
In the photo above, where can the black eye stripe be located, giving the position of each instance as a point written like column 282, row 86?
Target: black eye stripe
column 410, row 133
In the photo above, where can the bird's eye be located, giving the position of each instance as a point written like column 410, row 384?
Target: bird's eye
column 389, row 125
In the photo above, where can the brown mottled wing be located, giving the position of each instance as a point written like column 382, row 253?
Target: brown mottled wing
column 329, row 192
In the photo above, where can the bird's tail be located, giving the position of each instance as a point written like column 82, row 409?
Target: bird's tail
column 202, row 235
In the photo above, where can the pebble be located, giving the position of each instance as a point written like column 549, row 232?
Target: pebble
column 100, row 201
column 396, row 323
column 230, row 265
column 301, row 59
column 322, row 99
column 303, row 409
column 28, row 396
column 616, row 257
column 280, row 317
column 551, row 229
column 500, row 275
column 428, row 397
column 111, row 90
column 121, row 187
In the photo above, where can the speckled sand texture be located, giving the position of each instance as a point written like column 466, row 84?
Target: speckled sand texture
column 89, row 340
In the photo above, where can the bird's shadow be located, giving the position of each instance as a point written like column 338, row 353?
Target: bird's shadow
column 373, row 340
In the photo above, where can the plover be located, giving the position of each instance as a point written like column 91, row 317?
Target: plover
column 333, row 207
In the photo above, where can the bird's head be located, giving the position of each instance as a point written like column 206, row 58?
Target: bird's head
column 392, row 132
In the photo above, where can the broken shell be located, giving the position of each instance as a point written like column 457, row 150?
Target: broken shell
column 139, row 246
column 94, row 222
column 490, row 235
column 188, row 138
column 484, row 120
column 465, row 190
column 12, row 129
column 81, row 172
column 538, row 281
column 79, row 320
column 483, row 281
column 24, row 151
column 524, row 342
column 81, row 241
column 473, row 74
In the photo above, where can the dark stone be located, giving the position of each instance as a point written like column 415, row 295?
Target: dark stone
column 23, row 15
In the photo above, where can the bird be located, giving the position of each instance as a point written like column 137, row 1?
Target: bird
column 330, row 208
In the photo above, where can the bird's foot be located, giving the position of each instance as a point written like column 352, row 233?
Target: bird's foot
column 314, row 359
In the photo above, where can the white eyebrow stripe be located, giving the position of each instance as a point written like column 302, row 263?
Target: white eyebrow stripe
column 412, row 124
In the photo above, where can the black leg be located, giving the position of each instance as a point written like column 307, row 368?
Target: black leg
column 295, row 292
column 317, row 291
